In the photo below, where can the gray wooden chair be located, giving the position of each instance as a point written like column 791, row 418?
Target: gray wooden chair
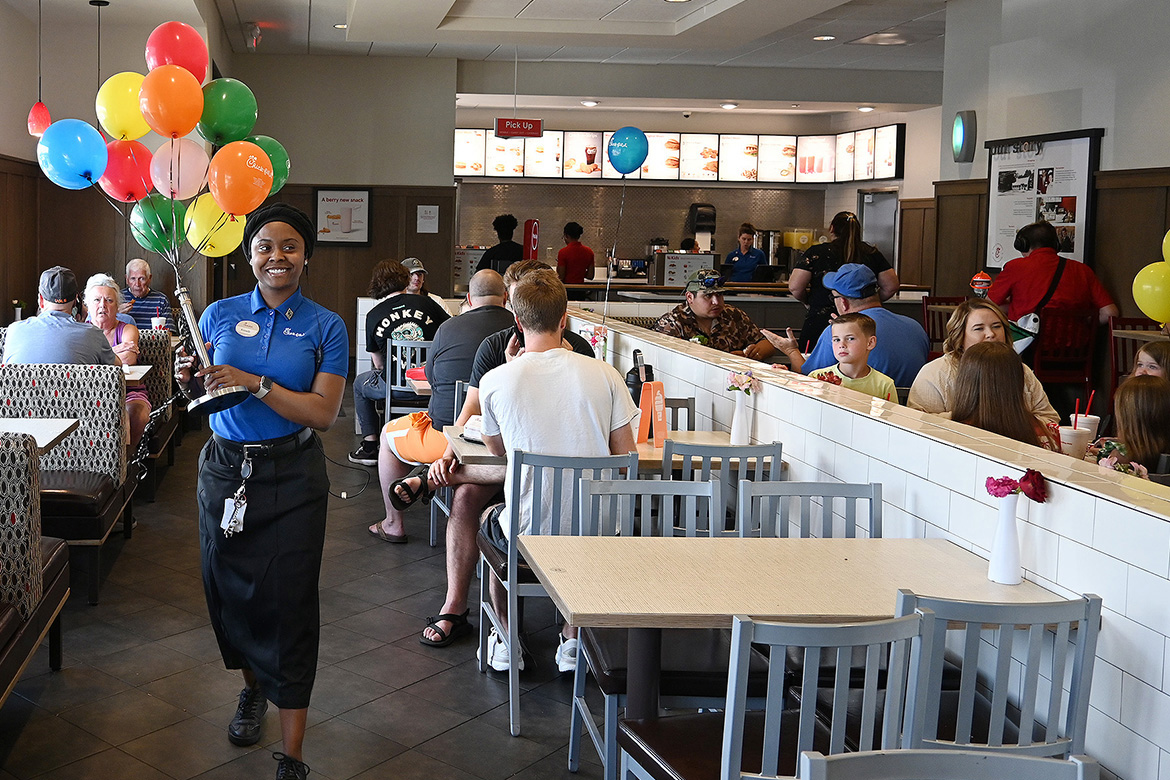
column 676, row 405
column 552, row 474
column 767, row 509
column 401, row 356
column 768, row 743
column 441, row 500
column 1019, row 651
column 943, row 765
column 729, row 464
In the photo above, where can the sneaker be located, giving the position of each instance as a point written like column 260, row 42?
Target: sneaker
column 289, row 768
column 244, row 729
column 498, row 653
column 566, row 654
column 366, row 454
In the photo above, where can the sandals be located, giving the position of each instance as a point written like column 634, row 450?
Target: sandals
column 459, row 627
column 423, row 491
column 380, row 532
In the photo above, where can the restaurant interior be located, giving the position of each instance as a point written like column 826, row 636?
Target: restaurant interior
column 108, row 659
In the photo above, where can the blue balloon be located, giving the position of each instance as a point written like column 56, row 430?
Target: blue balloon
column 627, row 149
column 73, row 154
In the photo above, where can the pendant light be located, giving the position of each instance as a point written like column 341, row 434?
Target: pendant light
column 38, row 117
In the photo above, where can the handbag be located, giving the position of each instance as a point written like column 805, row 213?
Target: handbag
column 1025, row 330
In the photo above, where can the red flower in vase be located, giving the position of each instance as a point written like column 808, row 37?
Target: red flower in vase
column 1032, row 485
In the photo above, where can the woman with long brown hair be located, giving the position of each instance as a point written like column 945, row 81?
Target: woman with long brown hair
column 974, row 321
column 989, row 394
column 1142, row 408
column 844, row 246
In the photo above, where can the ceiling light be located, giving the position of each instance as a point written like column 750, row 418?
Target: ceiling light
column 865, row 109
column 824, row 37
column 729, row 106
column 342, row 26
column 796, row 105
column 589, row 103
column 678, row 1
column 883, row 39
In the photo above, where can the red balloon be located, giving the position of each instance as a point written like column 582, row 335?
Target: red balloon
column 239, row 177
column 175, row 43
column 127, row 176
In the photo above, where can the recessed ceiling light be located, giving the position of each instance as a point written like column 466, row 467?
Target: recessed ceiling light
column 824, row 37
column 729, row 106
column 678, row 1
column 589, row 103
column 342, row 26
column 796, row 105
column 888, row 38
column 865, row 109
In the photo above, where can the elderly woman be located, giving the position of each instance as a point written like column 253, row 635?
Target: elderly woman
column 974, row 321
column 102, row 298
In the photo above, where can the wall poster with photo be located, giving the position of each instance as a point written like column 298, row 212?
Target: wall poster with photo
column 343, row 217
column 1042, row 177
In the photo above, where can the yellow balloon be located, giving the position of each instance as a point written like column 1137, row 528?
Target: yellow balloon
column 1151, row 291
column 117, row 107
column 1166, row 247
column 210, row 231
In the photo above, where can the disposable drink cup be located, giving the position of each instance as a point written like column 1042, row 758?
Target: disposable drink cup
column 347, row 219
column 158, row 323
column 1075, row 441
column 1089, row 422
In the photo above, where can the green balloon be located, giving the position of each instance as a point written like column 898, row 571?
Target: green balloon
column 157, row 224
column 229, row 111
column 281, row 167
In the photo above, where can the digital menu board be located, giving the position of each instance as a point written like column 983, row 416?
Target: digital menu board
column 777, row 158
column 607, row 169
column 814, row 157
column 699, row 158
column 887, row 157
column 505, row 157
column 582, row 155
column 542, row 156
column 863, row 155
column 739, row 157
column 469, row 149
column 844, row 162
column 662, row 159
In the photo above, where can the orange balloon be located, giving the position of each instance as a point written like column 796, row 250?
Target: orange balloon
column 171, row 101
column 239, row 177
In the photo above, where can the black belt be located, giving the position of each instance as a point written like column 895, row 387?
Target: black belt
column 269, row 448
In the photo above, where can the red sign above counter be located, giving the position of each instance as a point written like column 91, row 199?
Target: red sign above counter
column 519, row 128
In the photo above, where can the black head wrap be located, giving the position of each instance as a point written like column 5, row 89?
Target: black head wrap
column 280, row 212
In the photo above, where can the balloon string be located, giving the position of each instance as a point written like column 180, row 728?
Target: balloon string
column 134, row 159
column 613, row 253
column 220, row 221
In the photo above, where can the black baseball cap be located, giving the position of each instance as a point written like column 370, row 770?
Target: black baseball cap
column 58, row 285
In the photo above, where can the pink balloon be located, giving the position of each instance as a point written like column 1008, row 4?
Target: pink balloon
column 179, row 169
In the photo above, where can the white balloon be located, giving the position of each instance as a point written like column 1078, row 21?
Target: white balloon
column 179, row 169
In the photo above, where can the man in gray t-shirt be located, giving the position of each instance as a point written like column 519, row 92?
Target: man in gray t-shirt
column 54, row 336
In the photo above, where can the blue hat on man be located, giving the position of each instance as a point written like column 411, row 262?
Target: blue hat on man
column 852, row 280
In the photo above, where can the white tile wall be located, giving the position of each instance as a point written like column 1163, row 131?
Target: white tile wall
column 1096, row 534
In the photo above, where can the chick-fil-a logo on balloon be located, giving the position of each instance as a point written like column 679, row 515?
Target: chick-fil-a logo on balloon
column 253, row 162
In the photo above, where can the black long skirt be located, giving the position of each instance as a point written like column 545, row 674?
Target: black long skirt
column 262, row 583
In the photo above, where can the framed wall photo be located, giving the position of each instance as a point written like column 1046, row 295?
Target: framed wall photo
column 343, row 217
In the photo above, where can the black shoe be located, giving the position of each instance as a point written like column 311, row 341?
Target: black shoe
column 289, row 768
column 244, row 729
column 366, row 454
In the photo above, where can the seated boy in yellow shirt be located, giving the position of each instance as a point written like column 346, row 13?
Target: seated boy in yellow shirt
column 854, row 336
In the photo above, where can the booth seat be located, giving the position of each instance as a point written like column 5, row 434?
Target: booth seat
column 34, row 570
column 154, row 347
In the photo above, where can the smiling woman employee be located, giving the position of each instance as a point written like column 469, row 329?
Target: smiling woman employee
column 260, row 576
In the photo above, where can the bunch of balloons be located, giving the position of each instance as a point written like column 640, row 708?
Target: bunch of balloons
column 172, row 100
column 1151, row 286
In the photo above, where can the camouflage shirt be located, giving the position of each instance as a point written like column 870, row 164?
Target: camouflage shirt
column 732, row 331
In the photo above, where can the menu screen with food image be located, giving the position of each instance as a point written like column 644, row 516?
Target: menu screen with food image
column 739, row 157
column 607, row 169
column 662, row 160
column 863, row 155
column 469, row 150
column 777, row 158
column 815, row 155
column 699, row 158
column 542, row 156
column 505, row 157
column 887, row 157
column 582, row 155
column 845, row 148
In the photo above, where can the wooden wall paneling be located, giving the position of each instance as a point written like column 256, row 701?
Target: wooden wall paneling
column 1133, row 214
column 18, row 235
column 961, row 239
column 916, row 241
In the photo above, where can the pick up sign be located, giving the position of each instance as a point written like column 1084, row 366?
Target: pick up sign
column 519, row 128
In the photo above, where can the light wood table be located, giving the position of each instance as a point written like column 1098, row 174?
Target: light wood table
column 1141, row 335
column 47, row 431
column 419, row 386
column 647, row 584
column 135, row 374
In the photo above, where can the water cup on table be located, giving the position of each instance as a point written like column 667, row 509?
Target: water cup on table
column 1090, row 422
column 1075, row 441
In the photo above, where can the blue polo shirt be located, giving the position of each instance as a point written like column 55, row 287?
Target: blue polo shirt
column 900, row 353
column 281, row 344
column 743, row 266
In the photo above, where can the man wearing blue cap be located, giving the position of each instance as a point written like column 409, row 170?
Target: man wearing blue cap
column 902, row 344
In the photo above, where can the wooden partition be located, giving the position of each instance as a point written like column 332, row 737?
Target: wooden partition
column 916, row 241
column 960, row 234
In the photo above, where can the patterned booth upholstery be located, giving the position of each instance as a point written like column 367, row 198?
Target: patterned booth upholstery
column 34, row 570
column 83, row 478
column 154, row 347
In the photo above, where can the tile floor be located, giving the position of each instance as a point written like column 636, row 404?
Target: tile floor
column 143, row 695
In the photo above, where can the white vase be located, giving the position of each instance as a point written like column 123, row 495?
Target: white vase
column 741, row 420
column 19, row 312
column 1004, row 565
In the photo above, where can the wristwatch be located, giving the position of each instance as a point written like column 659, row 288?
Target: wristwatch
column 265, row 387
